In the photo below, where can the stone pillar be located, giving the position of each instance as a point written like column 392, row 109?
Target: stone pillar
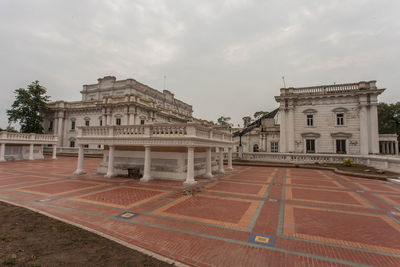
column 79, row 169
column 396, row 148
column 282, row 128
column 60, row 127
column 110, row 167
column 31, row 152
column 3, row 152
column 147, row 164
column 387, row 148
column 364, row 149
column 374, row 132
column 221, row 161
column 208, row 163
column 230, row 159
column 54, row 152
column 55, row 125
column 190, row 168
column 290, row 129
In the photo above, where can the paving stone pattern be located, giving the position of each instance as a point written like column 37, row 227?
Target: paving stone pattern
column 252, row 216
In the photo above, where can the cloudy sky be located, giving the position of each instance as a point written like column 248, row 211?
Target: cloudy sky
column 223, row 57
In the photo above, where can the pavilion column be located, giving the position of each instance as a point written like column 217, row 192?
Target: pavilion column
column 208, row 163
column 364, row 142
column 54, row 152
column 374, row 132
column 110, row 167
column 282, row 132
column 290, row 140
column 31, row 152
column 221, row 161
column 230, row 159
column 190, row 168
column 79, row 169
column 3, row 152
column 387, row 148
column 396, row 148
column 147, row 164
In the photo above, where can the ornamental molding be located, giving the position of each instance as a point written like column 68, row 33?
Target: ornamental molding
column 341, row 135
column 310, row 134
column 340, row 109
column 310, row 110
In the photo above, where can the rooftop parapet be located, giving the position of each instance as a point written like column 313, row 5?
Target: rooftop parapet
column 330, row 89
column 12, row 137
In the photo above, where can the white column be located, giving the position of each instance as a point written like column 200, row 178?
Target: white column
column 387, row 148
column 79, row 169
column 31, row 152
column 290, row 139
column 190, row 168
column 221, row 161
column 147, row 164
column 110, row 167
column 3, row 152
column 374, row 132
column 208, row 163
column 396, row 148
column 282, row 131
column 364, row 149
column 230, row 159
column 54, row 152
column 60, row 130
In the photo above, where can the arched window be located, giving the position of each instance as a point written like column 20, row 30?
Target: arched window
column 256, row 148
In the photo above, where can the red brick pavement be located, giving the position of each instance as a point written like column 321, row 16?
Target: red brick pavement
column 253, row 216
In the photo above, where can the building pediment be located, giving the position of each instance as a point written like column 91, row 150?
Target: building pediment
column 310, row 135
column 340, row 109
column 341, row 134
column 310, row 110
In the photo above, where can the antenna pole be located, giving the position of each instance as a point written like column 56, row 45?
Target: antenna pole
column 165, row 82
column 283, row 79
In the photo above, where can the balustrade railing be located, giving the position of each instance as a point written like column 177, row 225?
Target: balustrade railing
column 13, row 136
column 155, row 130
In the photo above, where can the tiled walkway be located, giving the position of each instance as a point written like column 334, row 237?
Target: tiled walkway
column 253, row 216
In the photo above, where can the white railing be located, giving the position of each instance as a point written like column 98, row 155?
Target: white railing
column 31, row 137
column 74, row 150
column 155, row 130
column 380, row 162
column 329, row 89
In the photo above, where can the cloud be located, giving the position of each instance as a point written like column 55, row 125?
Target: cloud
column 223, row 57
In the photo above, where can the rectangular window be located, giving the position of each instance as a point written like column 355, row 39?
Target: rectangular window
column 274, row 147
column 341, row 146
column 118, row 121
column 101, row 122
column 86, row 146
column 87, row 123
column 340, row 119
column 310, row 120
column 51, row 126
column 72, row 125
column 310, row 145
column 141, row 122
column 71, row 143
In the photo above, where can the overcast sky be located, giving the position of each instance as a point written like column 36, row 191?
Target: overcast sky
column 223, row 57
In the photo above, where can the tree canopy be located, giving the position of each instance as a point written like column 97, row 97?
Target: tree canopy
column 259, row 114
column 246, row 121
column 29, row 107
column 224, row 121
column 389, row 118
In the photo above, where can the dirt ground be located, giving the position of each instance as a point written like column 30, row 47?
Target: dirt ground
column 31, row 239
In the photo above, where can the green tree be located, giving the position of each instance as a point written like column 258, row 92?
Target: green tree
column 389, row 118
column 246, row 121
column 29, row 107
column 259, row 114
column 224, row 121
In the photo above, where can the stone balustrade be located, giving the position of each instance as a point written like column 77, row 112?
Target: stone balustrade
column 161, row 130
column 330, row 89
column 379, row 162
column 19, row 142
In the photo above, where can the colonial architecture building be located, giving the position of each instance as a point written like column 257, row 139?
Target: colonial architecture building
column 111, row 102
column 333, row 119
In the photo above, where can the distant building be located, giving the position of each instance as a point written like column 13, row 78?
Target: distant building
column 112, row 102
column 339, row 118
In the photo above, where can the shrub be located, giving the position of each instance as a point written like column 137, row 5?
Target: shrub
column 348, row 162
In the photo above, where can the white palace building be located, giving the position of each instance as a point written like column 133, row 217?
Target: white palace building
column 329, row 119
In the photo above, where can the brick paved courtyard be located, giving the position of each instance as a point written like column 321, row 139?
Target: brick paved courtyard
column 253, row 216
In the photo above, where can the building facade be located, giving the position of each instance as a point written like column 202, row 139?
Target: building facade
column 111, row 102
column 329, row 119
